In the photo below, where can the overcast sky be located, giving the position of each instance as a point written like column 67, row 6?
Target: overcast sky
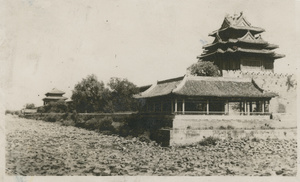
column 56, row 43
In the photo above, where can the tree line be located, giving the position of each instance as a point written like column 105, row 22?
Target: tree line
column 91, row 95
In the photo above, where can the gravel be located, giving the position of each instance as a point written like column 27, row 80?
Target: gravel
column 36, row 147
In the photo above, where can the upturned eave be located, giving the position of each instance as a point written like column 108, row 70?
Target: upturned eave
column 252, row 29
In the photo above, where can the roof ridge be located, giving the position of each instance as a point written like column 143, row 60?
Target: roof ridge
column 181, row 84
column 210, row 78
column 171, row 80
column 149, row 89
column 250, row 28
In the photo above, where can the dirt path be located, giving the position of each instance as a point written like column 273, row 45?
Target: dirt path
column 41, row 148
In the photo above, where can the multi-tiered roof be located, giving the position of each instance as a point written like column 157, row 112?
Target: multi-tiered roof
column 53, row 96
column 235, row 40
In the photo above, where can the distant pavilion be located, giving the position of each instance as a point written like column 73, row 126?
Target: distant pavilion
column 53, row 96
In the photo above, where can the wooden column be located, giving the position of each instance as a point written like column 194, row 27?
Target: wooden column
column 263, row 107
column 207, row 106
column 172, row 107
column 226, row 107
column 248, row 108
column 175, row 105
column 183, row 106
column 245, row 107
column 241, row 110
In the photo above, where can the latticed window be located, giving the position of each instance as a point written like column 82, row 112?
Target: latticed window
column 235, row 65
column 254, row 63
column 268, row 65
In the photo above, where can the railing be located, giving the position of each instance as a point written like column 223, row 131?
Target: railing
column 221, row 113
column 201, row 112
column 155, row 112
column 186, row 113
column 260, row 113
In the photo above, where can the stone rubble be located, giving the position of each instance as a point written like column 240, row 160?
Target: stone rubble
column 39, row 148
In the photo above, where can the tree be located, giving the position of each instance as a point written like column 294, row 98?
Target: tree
column 204, row 68
column 29, row 106
column 121, row 94
column 59, row 106
column 90, row 95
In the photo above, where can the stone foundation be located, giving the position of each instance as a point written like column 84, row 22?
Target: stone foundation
column 189, row 129
column 190, row 136
column 195, row 121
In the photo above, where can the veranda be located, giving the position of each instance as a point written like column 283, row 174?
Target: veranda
column 207, row 106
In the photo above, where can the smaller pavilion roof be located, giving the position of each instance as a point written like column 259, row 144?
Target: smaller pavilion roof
column 206, row 87
column 55, row 98
column 161, row 88
column 55, row 91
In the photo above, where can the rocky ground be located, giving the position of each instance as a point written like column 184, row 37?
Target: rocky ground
column 40, row 148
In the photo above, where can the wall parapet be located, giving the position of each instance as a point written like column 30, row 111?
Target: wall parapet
column 239, row 73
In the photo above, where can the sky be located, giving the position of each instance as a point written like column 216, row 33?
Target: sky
column 49, row 44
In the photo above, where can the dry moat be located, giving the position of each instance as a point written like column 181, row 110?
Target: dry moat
column 35, row 147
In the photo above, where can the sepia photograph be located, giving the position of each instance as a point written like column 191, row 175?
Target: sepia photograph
column 140, row 90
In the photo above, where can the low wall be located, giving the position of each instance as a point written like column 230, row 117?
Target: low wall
column 118, row 117
column 189, row 136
